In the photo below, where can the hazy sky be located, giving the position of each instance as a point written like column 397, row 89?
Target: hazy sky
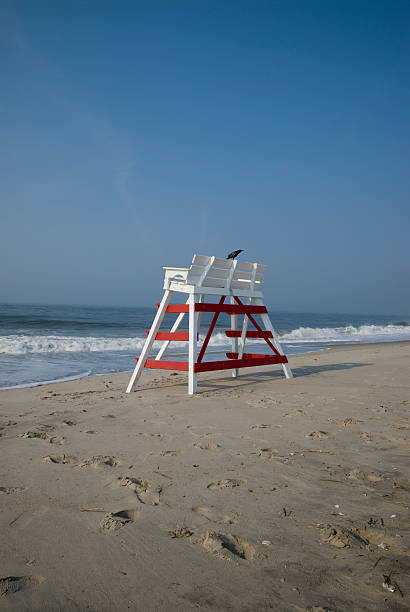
column 134, row 134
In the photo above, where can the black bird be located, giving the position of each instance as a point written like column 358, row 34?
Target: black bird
column 234, row 254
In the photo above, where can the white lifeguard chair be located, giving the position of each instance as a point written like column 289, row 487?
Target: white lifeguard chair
column 209, row 275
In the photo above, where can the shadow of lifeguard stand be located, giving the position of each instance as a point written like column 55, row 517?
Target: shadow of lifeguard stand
column 223, row 278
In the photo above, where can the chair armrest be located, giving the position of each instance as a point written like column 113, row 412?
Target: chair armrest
column 178, row 275
column 176, row 269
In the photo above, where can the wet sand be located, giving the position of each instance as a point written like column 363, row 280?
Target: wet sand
column 258, row 493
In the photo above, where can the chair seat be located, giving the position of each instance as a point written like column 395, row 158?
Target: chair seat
column 212, row 275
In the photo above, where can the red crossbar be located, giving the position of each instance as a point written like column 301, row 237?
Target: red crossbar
column 174, row 336
column 226, row 308
column 247, row 360
column 159, row 364
column 210, row 330
column 278, row 358
column 209, row 366
column 231, row 333
column 229, row 308
column 258, row 328
column 174, row 308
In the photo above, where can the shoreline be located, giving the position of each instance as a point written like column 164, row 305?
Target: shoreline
column 257, row 493
column 315, row 349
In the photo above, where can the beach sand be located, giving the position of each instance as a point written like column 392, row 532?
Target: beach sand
column 258, row 493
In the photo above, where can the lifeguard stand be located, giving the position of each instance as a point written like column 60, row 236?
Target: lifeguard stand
column 210, row 276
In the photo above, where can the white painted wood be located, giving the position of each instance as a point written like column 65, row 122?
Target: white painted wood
column 150, row 339
column 192, row 347
column 242, row 339
column 244, row 275
column 218, row 262
column 218, row 273
column 216, row 352
column 173, row 329
column 199, row 314
column 206, row 270
column 220, row 282
column 287, row 371
column 253, row 277
column 245, row 318
column 177, row 274
column 194, row 269
column 245, row 265
column 269, row 327
column 230, row 275
column 183, row 288
column 200, row 260
column 212, row 273
column 235, row 371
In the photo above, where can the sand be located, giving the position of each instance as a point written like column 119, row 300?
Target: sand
column 258, row 493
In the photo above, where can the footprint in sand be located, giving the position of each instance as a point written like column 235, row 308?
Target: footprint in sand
column 10, row 490
column 43, row 435
column 144, row 490
column 115, row 520
column 359, row 475
column 100, row 460
column 4, row 424
column 151, row 435
column 13, row 584
column 62, row 459
column 319, row 435
column 210, row 513
column 181, row 532
column 341, row 537
column 45, row 427
column 35, row 434
column 400, row 425
column 227, row 547
column 375, row 537
column 206, row 445
column 267, row 453
column 227, row 483
column 366, row 437
column 345, row 422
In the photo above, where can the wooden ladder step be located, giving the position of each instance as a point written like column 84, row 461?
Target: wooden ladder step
column 231, row 333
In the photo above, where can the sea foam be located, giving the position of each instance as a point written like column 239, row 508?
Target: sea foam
column 18, row 344
column 349, row 333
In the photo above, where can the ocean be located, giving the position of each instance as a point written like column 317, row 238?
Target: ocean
column 43, row 343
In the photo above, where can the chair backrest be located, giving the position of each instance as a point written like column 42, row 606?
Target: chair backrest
column 210, row 271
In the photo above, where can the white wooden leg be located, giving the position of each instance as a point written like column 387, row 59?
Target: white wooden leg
column 234, row 327
column 173, row 329
column 199, row 315
column 192, row 349
column 287, row 371
column 150, row 339
column 242, row 339
column 269, row 327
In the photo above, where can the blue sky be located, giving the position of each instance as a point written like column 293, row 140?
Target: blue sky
column 137, row 133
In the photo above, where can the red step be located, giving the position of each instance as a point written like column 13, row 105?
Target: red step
column 233, row 333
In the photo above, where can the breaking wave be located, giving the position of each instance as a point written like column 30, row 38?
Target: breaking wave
column 20, row 345
column 350, row 333
column 23, row 344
